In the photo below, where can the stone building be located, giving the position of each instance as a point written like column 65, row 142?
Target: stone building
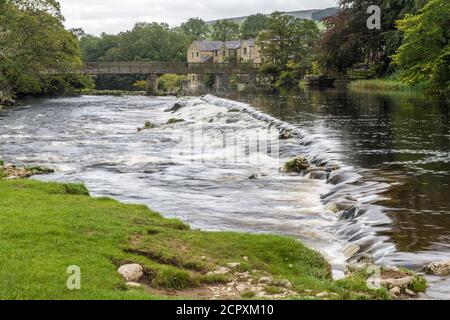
column 238, row 51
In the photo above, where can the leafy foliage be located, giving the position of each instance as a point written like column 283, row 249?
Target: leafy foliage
column 35, row 48
column 424, row 55
column 195, row 28
column 287, row 48
column 253, row 25
column 225, row 30
column 347, row 40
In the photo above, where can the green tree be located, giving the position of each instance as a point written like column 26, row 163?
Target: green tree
column 38, row 48
column 287, row 48
column 347, row 40
column 195, row 28
column 424, row 55
column 225, row 30
column 253, row 25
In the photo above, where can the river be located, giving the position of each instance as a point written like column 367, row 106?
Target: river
column 386, row 199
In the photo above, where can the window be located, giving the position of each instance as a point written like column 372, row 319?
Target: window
column 216, row 53
column 245, row 50
column 198, row 54
column 224, row 53
column 193, row 54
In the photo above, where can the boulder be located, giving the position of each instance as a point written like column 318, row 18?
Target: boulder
column 400, row 282
column 147, row 125
column 285, row 135
column 233, row 265
column 174, row 121
column 394, row 292
column 322, row 295
column 266, row 280
column 284, row 283
column 131, row 272
column 410, row 293
column 296, row 165
column 441, row 268
column 133, row 285
column 177, row 106
column 351, row 250
column 219, row 271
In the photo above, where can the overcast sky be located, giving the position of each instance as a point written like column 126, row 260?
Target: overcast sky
column 113, row 16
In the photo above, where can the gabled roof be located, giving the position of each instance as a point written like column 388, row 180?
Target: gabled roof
column 235, row 44
column 209, row 45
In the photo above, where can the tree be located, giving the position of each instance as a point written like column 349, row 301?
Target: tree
column 195, row 28
column 339, row 48
column 348, row 41
column 225, row 30
column 39, row 48
column 145, row 42
column 424, row 55
column 287, row 48
column 253, row 25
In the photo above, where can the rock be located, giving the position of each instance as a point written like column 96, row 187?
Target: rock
column 410, row 293
column 245, row 258
column 234, row 110
column 177, row 106
column 322, row 295
column 233, row 265
column 174, row 121
column 351, row 250
column 131, row 272
column 392, row 269
column 284, row 283
column 219, row 271
column 147, row 125
column 266, row 280
column 441, row 268
column 357, row 267
column 296, row 165
column 286, row 135
column 401, row 282
column 133, row 285
column 394, row 292
column 253, row 177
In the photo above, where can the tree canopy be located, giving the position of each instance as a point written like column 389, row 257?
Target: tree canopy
column 225, row 30
column 35, row 48
column 196, row 28
column 253, row 25
column 425, row 52
column 287, row 48
column 145, row 42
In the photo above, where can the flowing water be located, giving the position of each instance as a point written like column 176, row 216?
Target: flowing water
column 380, row 191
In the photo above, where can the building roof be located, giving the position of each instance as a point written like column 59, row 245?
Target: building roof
column 235, row 44
column 209, row 45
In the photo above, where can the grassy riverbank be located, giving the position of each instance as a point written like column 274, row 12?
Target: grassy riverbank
column 46, row 227
column 388, row 85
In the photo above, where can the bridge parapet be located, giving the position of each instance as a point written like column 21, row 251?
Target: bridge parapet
column 98, row 68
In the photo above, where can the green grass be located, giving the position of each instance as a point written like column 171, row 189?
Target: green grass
column 385, row 85
column 46, row 227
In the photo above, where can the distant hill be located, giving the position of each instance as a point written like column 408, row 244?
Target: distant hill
column 315, row 14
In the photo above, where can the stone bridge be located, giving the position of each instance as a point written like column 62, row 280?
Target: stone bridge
column 154, row 69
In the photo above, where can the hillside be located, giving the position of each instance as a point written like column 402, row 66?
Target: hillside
column 315, row 14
